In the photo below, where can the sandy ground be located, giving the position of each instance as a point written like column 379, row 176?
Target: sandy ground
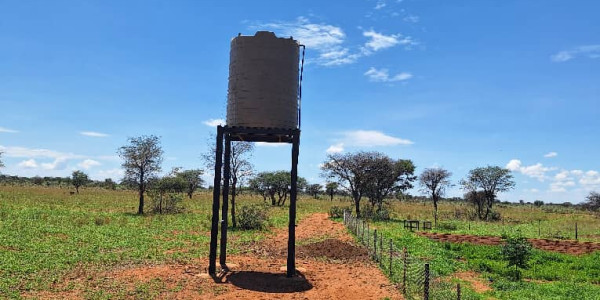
column 330, row 264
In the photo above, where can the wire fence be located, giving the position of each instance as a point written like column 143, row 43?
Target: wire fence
column 410, row 274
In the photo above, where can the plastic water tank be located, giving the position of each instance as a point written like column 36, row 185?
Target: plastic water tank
column 263, row 81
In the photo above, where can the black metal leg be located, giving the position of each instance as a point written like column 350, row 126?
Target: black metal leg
column 214, row 231
column 291, row 259
column 224, row 210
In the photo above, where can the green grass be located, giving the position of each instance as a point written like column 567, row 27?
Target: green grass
column 550, row 276
column 45, row 233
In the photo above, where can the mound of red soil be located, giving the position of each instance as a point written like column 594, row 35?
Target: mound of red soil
column 333, row 249
column 568, row 247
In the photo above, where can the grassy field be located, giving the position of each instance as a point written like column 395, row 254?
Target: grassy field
column 47, row 234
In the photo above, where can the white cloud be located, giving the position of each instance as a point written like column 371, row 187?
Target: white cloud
column 382, row 75
column 115, row 174
column 28, row 164
column 265, row 144
column 371, row 138
column 590, row 51
column 411, row 19
column 380, row 4
column 214, row 122
column 337, row 148
column 6, row 130
column 590, row 179
column 88, row 163
column 93, row 134
column 537, row 171
column 551, row 154
column 379, row 41
column 57, row 164
column 32, row 152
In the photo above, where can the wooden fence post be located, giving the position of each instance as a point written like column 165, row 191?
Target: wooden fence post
column 576, row 236
column 375, row 244
column 458, row 291
column 426, row 284
column 404, row 262
column 391, row 257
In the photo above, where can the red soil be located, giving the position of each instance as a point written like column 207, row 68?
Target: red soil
column 331, row 266
column 562, row 246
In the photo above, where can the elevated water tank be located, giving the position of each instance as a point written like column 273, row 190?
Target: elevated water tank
column 263, row 81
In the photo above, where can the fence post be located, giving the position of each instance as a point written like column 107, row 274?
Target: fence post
column 391, row 257
column 539, row 228
column 576, row 237
column 375, row 243
column 426, row 287
column 380, row 247
column 458, row 291
column 345, row 217
column 404, row 262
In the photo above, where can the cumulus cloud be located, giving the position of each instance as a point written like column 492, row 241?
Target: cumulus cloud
column 378, row 41
column 371, row 138
column 115, row 174
column 382, row 75
column 88, row 163
column 336, row 148
column 265, row 144
column 590, row 51
column 57, row 164
column 6, row 130
column 537, row 171
column 551, row 154
column 33, row 152
column 28, row 164
column 93, row 134
column 214, row 122
column 380, row 4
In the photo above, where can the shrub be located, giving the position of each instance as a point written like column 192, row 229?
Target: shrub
column 449, row 226
column 337, row 211
column 252, row 217
column 167, row 203
column 517, row 251
column 369, row 212
column 494, row 216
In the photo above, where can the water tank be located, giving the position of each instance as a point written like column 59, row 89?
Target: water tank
column 263, row 81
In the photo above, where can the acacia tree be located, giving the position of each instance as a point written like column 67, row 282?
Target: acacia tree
column 193, row 180
column 490, row 180
column 314, row 190
column 78, row 178
column 434, row 183
column 385, row 176
column 592, row 201
column 331, row 188
column 142, row 159
column 240, row 168
column 275, row 185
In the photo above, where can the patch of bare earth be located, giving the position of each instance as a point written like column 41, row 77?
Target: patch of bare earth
column 474, row 279
column 330, row 264
column 562, row 246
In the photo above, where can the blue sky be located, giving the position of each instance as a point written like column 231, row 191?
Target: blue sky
column 455, row 84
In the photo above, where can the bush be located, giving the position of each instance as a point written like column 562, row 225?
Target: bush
column 449, row 226
column 369, row 212
column 337, row 211
column 494, row 216
column 167, row 203
column 252, row 217
column 517, row 251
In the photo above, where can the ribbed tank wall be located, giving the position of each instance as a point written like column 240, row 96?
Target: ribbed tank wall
column 263, row 81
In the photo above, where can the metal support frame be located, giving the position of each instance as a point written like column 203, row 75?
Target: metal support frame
column 249, row 134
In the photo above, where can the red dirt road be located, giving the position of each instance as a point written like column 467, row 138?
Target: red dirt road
column 332, row 267
column 562, row 246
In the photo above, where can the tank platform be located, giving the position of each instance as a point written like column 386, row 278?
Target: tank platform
column 261, row 134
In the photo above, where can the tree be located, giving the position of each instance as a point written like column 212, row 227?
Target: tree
column 109, row 184
column 193, row 180
column 434, row 183
column 78, row 178
column 370, row 174
column 517, row 250
column 538, row 203
column 491, row 180
column 166, row 193
column 385, row 176
column 240, row 167
column 592, row 201
column 142, row 159
column 331, row 188
column 275, row 185
column 314, row 190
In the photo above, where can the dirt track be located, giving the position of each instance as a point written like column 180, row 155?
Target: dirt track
column 568, row 247
column 332, row 267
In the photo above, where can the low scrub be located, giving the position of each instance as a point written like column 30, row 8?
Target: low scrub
column 371, row 213
column 252, row 217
